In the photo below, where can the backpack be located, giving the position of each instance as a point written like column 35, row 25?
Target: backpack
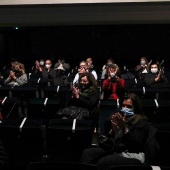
column 73, row 112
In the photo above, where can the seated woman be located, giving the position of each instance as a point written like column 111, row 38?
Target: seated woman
column 113, row 86
column 85, row 94
column 128, row 127
column 142, row 68
column 17, row 76
column 37, row 69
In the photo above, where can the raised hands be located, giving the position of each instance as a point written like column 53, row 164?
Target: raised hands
column 76, row 92
column 118, row 121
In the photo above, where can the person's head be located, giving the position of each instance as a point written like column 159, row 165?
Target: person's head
column 87, row 81
column 13, row 64
column 132, row 103
column 143, row 61
column 110, row 61
column 42, row 62
column 89, row 61
column 154, row 68
column 113, row 69
column 61, row 60
column 48, row 64
column 18, row 68
column 83, row 67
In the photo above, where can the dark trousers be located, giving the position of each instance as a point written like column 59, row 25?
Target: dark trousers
column 105, row 160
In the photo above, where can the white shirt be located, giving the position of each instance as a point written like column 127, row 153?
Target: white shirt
column 76, row 78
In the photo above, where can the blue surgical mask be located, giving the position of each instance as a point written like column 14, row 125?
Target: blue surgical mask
column 127, row 111
column 41, row 63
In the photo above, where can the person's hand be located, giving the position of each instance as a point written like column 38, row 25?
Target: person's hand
column 81, row 70
column 12, row 75
column 158, row 77
column 150, row 62
column 109, row 73
column 76, row 91
column 118, row 121
column 37, row 64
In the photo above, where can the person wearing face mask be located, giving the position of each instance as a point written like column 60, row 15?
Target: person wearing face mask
column 156, row 77
column 17, row 76
column 128, row 127
column 113, row 86
column 142, row 68
column 37, row 69
column 85, row 94
column 48, row 73
column 110, row 61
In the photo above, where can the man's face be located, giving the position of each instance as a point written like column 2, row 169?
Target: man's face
column 82, row 68
column 48, row 63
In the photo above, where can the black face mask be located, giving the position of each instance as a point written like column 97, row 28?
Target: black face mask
column 16, row 71
column 84, row 86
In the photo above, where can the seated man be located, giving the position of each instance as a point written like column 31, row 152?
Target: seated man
column 83, row 68
column 156, row 77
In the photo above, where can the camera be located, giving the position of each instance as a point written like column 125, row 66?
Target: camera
column 113, row 79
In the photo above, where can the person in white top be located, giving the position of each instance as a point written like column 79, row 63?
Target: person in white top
column 83, row 67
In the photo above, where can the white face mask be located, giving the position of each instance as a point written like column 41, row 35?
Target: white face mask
column 41, row 63
column 154, row 70
column 112, row 74
column 47, row 65
column 142, row 62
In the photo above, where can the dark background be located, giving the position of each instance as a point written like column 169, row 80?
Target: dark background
column 126, row 43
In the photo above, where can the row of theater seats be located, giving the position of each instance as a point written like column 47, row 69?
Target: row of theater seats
column 30, row 142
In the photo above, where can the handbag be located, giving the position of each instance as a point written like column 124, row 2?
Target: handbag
column 73, row 112
column 108, row 144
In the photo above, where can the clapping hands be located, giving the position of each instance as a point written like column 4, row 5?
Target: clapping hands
column 118, row 121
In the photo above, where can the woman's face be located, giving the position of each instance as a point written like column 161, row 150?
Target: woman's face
column 84, row 80
column 127, row 103
column 84, row 83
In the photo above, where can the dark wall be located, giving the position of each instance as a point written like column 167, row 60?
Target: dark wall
column 125, row 43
